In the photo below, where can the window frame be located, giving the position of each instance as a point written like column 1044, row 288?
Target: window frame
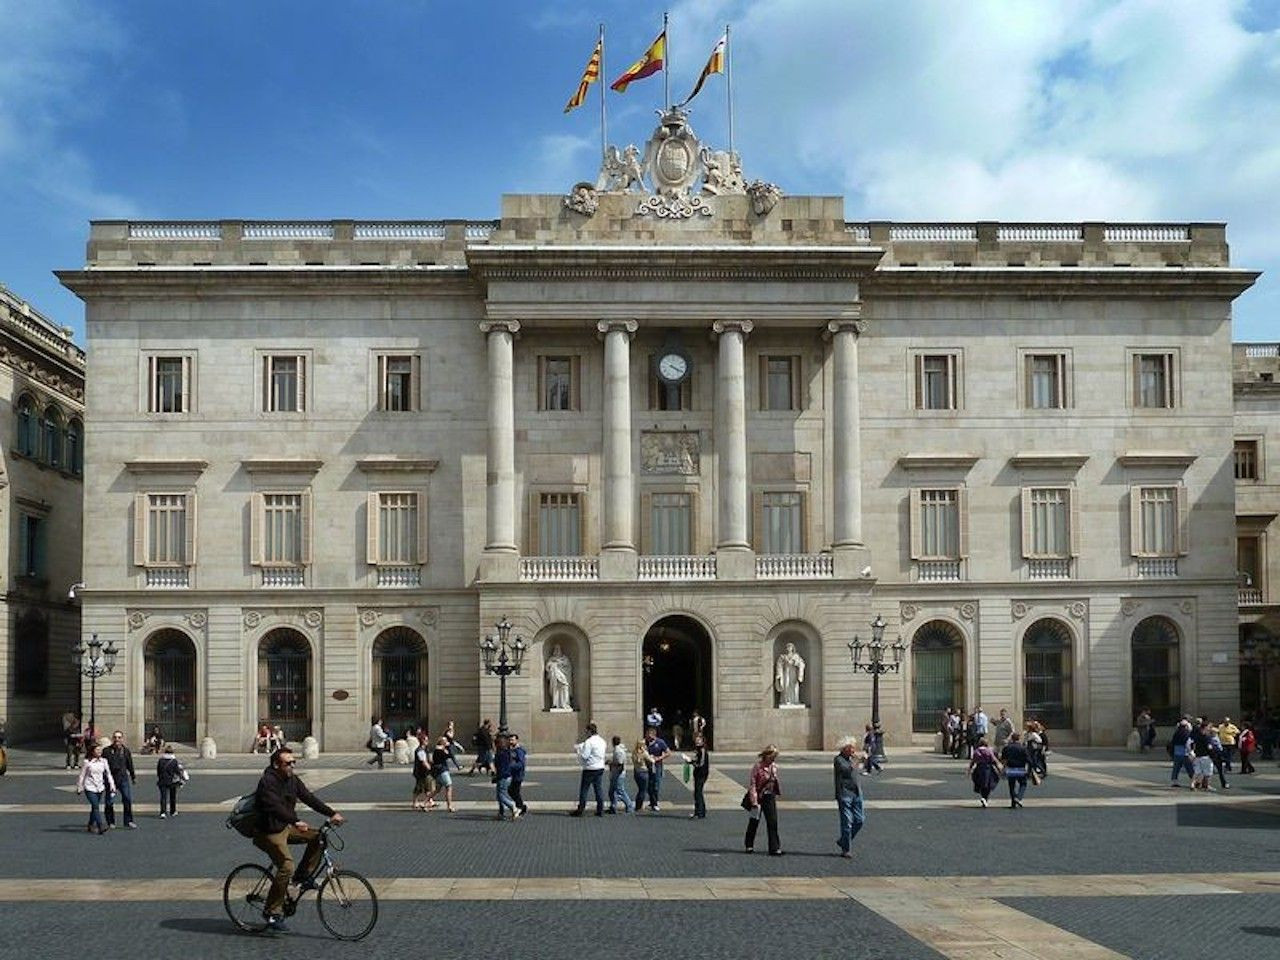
column 142, row 529
column 1181, row 521
column 759, row 526
column 795, row 372
column 149, row 362
column 575, row 381
column 32, row 545
column 590, row 539
column 1072, row 507
column 962, row 522
column 257, row 529
column 1172, row 364
column 1257, row 444
column 380, row 371
column 373, row 528
column 305, row 384
column 954, row 360
column 646, row 517
column 1065, row 374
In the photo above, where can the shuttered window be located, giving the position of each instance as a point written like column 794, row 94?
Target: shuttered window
column 169, row 380
column 398, row 528
column 935, row 377
column 671, row 524
column 164, row 529
column 939, row 525
column 1046, row 389
column 284, row 384
column 398, row 380
column 1159, row 521
column 782, row 520
column 1049, row 522
column 559, row 525
column 1153, row 385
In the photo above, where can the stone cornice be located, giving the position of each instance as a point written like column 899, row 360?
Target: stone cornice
column 394, row 464
column 298, row 280
column 1048, row 460
column 281, row 465
column 937, row 461
column 1157, row 458
column 1054, row 282
column 153, row 466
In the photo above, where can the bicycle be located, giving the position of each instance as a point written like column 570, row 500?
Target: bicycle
column 345, row 900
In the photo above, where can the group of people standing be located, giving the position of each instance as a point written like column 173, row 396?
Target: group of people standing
column 108, row 775
column 647, row 759
column 1203, row 749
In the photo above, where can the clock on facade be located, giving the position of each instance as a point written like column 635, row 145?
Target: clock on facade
column 673, row 367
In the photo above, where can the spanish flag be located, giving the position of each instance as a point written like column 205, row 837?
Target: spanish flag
column 589, row 76
column 714, row 65
column 646, row 66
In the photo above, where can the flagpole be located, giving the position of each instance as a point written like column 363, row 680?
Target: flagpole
column 728, row 82
column 604, row 128
column 666, row 66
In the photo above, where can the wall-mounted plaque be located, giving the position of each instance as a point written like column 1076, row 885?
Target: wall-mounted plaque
column 340, row 695
column 670, row 452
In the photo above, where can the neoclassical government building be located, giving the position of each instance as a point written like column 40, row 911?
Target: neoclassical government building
column 670, row 435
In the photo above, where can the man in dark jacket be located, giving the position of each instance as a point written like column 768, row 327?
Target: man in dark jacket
column 848, row 795
column 120, row 762
column 278, row 826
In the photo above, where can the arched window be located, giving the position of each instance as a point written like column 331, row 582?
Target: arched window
column 284, row 682
column 937, row 673
column 170, row 685
column 1046, row 674
column 31, row 655
column 75, row 447
column 51, row 441
column 1155, row 649
column 28, row 432
column 400, row 679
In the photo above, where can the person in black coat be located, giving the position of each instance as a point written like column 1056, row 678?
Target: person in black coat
column 120, row 760
column 1015, row 759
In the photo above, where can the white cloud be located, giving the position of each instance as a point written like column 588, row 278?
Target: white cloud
column 559, row 160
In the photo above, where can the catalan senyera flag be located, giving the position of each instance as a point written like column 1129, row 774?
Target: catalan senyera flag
column 646, row 66
column 589, row 76
column 714, row 65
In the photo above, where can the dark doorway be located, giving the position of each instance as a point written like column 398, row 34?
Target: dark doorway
column 676, row 665
column 170, row 685
column 400, row 679
column 284, row 682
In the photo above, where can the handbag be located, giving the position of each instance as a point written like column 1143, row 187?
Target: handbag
column 1035, row 778
column 746, row 801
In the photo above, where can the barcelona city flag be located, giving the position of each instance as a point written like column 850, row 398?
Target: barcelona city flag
column 714, row 65
column 589, row 76
column 646, row 66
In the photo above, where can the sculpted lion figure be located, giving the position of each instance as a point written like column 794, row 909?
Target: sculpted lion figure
column 621, row 172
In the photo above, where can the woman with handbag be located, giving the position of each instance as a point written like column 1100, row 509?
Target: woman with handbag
column 378, row 742
column 169, row 777
column 96, row 784
column 641, row 771
column 984, row 771
column 763, row 790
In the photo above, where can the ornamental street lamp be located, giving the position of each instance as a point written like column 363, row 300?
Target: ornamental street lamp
column 94, row 661
column 869, row 658
column 502, row 657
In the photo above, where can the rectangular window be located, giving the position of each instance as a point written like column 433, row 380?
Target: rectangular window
column 398, row 529
column 284, row 384
column 671, row 524
column 1159, row 521
column 939, row 525
column 167, row 530
column 1153, row 385
column 559, row 379
column 1246, row 454
column 282, row 524
column 169, row 384
column 1046, row 381
column 936, row 381
column 559, row 525
column 1248, row 565
column 782, row 517
column 31, row 546
column 398, row 388
column 779, row 383
column 1048, row 518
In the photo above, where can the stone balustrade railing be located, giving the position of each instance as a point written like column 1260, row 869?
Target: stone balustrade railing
column 1049, row 568
column 1250, row 597
column 677, row 568
column 1261, row 350
column 284, row 577
column 420, row 230
column 407, row 576
column 794, row 566
column 273, row 230
column 188, row 230
column 169, row 578
column 559, row 569
column 1157, row 568
column 938, row 571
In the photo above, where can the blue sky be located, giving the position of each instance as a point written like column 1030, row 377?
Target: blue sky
column 914, row 111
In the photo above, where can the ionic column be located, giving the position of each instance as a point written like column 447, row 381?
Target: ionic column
column 846, row 427
column 731, row 434
column 619, row 524
column 500, row 477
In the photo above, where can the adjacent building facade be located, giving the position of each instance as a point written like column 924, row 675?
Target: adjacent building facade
column 42, row 390
column 328, row 456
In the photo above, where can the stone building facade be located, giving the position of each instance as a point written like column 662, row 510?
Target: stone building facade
column 42, row 431
column 328, row 456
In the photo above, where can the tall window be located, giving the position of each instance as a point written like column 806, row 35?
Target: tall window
column 1246, row 457
column 1046, row 673
column 31, row 655
column 167, row 529
column 780, row 383
column 398, row 528
column 936, row 381
column 1153, row 385
column 558, row 383
column 75, row 447
column 1155, row 649
column 282, row 529
column 938, row 524
column 1047, row 518
column 782, row 522
column 28, row 430
column 1248, row 562
column 1158, row 521
column 52, row 442
column 559, row 525
column 170, row 384
column 1046, row 381
column 31, row 546
column 671, row 524
column 284, row 384
column 398, row 382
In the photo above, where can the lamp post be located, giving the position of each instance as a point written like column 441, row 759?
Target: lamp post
column 94, row 661
column 875, row 663
column 502, row 657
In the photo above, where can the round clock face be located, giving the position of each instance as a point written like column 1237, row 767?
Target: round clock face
column 673, row 367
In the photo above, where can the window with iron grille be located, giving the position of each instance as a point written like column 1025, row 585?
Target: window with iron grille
column 1046, row 673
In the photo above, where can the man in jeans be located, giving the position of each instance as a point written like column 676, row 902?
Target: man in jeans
column 120, row 760
column 659, row 750
column 848, row 795
column 591, row 756
column 278, row 826
column 501, row 759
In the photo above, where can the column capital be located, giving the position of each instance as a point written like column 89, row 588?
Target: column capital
column 743, row 327
column 500, row 326
column 629, row 327
column 855, row 325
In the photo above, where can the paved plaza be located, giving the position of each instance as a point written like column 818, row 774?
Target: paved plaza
column 1104, row 861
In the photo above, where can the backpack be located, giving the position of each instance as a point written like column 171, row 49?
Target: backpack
column 244, row 815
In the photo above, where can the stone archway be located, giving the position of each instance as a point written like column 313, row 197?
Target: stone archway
column 400, row 667
column 676, row 667
column 937, row 673
column 284, row 682
column 169, row 685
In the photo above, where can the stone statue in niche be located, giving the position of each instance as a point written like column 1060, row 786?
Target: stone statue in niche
column 559, row 672
column 788, row 674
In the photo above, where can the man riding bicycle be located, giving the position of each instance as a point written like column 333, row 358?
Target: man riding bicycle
column 277, row 798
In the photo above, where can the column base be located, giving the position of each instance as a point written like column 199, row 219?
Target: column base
column 852, row 561
column 499, row 566
column 619, row 563
column 735, row 563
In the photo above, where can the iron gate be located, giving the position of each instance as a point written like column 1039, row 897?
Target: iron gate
column 400, row 679
column 937, row 674
column 284, row 676
column 171, row 687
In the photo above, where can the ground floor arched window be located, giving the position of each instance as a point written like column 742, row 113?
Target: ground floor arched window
column 937, row 674
column 1046, row 673
column 400, row 679
column 284, row 682
column 169, row 685
column 1155, row 648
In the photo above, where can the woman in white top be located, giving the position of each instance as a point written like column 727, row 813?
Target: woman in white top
column 379, row 742
column 95, row 783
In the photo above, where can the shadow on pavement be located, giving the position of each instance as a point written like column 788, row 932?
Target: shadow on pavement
column 1255, row 817
column 222, row 927
column 1262, row 931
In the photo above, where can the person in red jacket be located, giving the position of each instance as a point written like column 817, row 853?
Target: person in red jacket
column 1248, row 743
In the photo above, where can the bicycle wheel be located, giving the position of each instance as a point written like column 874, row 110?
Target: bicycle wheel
column 245, row 896
column 347, row 904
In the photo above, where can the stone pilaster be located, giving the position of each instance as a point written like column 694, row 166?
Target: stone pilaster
column 731, row 449
column 850, row 555
column 618, row 552
column 500, row 477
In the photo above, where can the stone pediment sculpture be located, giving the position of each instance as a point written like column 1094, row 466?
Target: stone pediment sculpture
column 678, row 171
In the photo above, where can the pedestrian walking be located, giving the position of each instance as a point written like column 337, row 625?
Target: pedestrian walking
column 653, row 719
column 1179, row 752
column 1146, row 728
column 590, row 753
column 501, row 763
column 701, row 763
column 1202, row 759
column 169, row 777
column 957, row 733
column 519, row 762
column 423, row 786
column 1218, row 756
column 1003, row 730
column 944, row 728
column 120, row 760
column 618, row 778
column 455, row 748
column 848, row 797
column 482, row 741
column 1248, row 743
column 698, row 725
column 1033, row 739
column 1228, row 733
column 871, row 751
column 984, row 771
column 1015, row 761
column 379, row 742
column 763, row 790
column 96, row 783
column 641, row 772
column 659, row 751
column 72, row 738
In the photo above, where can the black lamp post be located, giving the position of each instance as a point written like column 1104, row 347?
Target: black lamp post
column 94, row 661
column 874, row 662
column 502, row 657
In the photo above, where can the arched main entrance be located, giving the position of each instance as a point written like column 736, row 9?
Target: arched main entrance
column 676, row 666
column 400, row 678
column 284, row 682
column 169, row 685
column 937, row 674
column 1156, row 659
